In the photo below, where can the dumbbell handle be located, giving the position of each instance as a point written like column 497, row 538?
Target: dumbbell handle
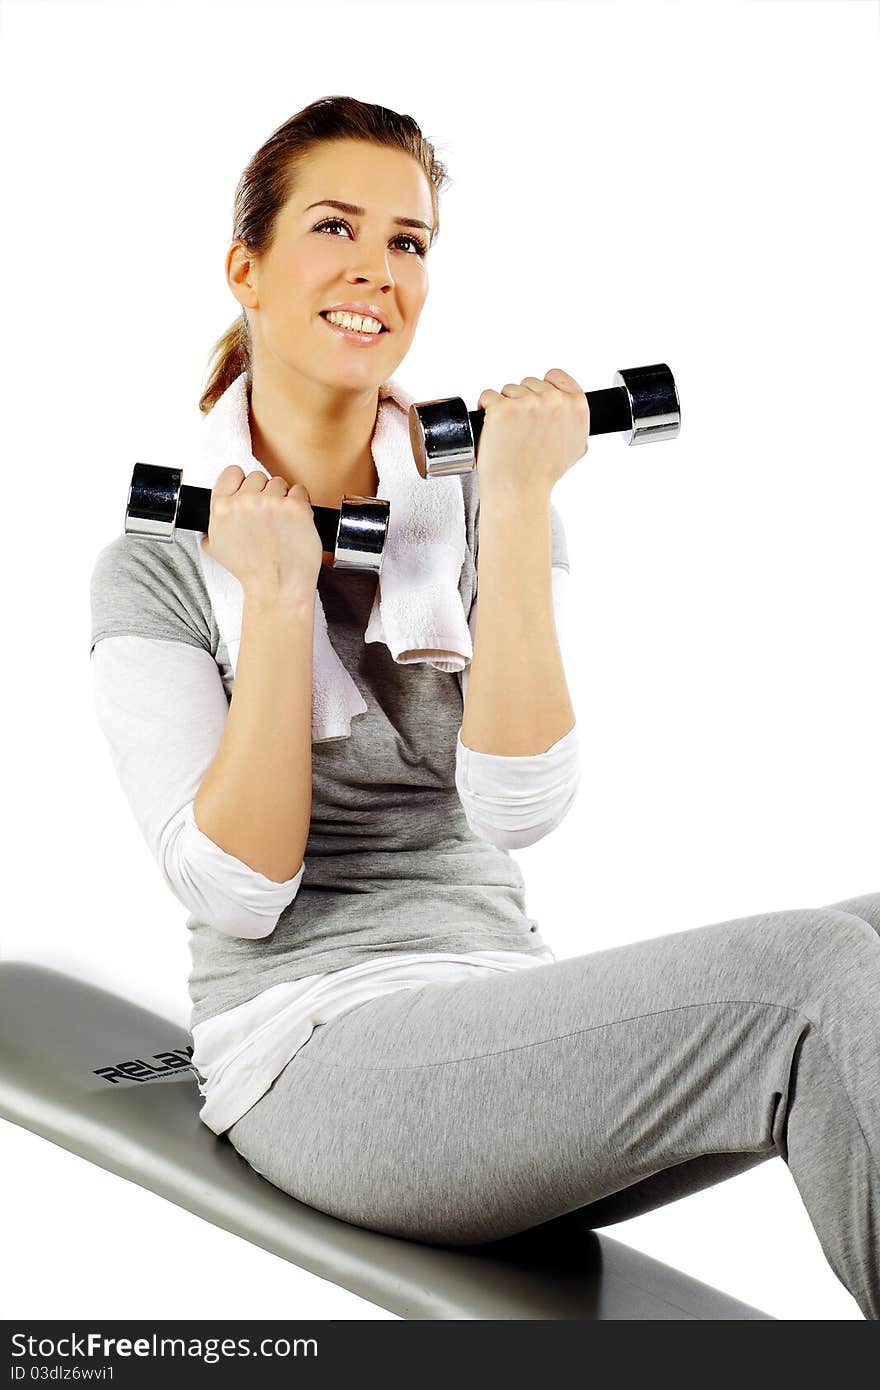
column 194, row 512
column 609, row 412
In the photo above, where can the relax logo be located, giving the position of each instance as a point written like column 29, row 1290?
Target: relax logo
column 176, row 1064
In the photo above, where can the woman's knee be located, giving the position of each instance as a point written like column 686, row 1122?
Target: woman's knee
column 819, row 942
column 866, row 906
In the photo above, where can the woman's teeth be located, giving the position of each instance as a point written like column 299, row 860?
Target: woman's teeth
column 355, row 322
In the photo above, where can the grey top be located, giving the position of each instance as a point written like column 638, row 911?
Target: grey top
column 391, row 864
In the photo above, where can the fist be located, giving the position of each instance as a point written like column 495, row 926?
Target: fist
column 532, row 434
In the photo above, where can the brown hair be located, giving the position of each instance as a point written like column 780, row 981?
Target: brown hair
column 269, row 180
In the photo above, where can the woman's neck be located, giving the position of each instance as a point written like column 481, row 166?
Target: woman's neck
column 319, row 439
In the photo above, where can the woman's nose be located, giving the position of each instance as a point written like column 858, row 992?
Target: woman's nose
column 373, row 266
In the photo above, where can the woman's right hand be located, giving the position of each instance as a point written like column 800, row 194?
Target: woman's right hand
column 264, row 533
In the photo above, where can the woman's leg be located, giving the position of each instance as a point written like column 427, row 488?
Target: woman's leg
column 705, row 1170
column 614, row 1081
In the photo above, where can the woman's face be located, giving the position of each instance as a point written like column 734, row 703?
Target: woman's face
column 323, row 256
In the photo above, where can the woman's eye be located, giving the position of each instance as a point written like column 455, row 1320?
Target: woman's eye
column 421, row 249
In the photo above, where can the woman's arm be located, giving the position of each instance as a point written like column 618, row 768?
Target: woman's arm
column 514, row 802
column 162, row 708
column 255, row 800
column 517, row 701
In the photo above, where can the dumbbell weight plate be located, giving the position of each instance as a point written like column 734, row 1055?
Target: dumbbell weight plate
column 643, row 403
column 160, row 503
column 361, row 533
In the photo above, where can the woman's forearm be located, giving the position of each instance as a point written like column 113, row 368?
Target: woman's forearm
column 255, row 800
column 517, row 701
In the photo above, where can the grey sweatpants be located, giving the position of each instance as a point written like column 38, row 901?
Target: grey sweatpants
column 613, row 1082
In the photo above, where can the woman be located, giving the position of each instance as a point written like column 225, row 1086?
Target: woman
column 381, row 1029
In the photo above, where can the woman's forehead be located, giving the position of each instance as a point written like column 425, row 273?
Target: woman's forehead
column 384, row 182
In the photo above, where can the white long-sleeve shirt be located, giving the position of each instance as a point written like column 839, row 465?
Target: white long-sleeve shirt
column 160, row 755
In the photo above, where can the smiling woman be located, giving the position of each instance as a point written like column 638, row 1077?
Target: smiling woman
column 338, row 146
column 380, row 1027
column 334, row 218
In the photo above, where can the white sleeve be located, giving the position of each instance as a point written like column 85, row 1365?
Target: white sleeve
column 162, row 709
column 513, row 801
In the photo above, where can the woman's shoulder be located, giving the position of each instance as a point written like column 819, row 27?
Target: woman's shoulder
column 150, row 588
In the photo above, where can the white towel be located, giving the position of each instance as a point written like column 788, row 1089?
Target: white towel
column 417, row 611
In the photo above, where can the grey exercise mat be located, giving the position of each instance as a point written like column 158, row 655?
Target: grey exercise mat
column 113, row 1082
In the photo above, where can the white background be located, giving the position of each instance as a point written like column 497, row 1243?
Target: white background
column 632, row 183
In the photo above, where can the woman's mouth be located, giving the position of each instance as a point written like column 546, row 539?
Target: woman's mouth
column 364, row 339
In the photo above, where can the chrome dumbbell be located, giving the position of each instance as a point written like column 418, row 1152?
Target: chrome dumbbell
column 160, row 504
column 643, row 401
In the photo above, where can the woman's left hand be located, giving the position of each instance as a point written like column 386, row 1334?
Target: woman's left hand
column 532, row 434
